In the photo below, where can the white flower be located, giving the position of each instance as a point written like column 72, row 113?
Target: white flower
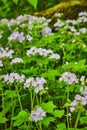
column 83, row 30
column 6, row 52
column 78, row 97
column 54, row 56
column 36, row 83
column 72, row 29
column 82, row 79
column 1, row 64
column 16, row 60
column 12, row 77
column 42, row 52
column 37, row 115
column 69, row 78
column 83, row 14
column 29, row 38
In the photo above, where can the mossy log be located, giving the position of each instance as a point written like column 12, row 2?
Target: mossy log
column 69, row 9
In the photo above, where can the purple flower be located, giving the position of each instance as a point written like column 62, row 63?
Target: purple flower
column 29, row 38
column 46, row 30
column 37, row 115
column 20, row 37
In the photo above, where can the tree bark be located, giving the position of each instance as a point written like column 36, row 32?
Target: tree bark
column 69, row 9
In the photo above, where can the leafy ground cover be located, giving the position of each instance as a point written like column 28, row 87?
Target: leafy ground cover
column 43, row 68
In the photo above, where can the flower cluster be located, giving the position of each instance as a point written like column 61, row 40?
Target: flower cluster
column 79, row 101
column 19, row 36
column 12, row 77
column 69, row 78
column 37, row 83
column 42, row 52
column 16, row 60
column 37, row 115
column 1, row 64
column 6, row 52
column 28, row 19
column 72, row 25
column 47, row 30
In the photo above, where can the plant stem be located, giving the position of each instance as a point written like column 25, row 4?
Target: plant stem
column 3, row 104
column 19, row 99
column 67, row 108
column 12, row 116
column 77, row 119
column 31, row 98
column 40, row 126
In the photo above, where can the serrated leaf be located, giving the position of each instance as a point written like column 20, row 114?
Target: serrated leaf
column 48, row 107
column 47, row 121
column 15, row 1
column 22, row 117
column 58, row 113
column 33, row 3
column 50, row 74
column 3, row 120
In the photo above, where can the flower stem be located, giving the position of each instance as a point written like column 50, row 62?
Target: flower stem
column 31, row 98
column 77, row 119
column 19, row 99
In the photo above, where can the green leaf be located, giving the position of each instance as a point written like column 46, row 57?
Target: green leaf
column 51, row 74
column 22, row 117
column 10, row 94
column 58, row 113
column 85, row 128
column 61, row 126
column 33, row 3
column 15, row 1
column 3, row 120
column 83, row 119
column 1, row 85
column 46, row 121
column 48, row 107
column 4, row 1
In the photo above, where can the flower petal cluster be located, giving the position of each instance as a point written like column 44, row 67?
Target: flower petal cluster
column 29, row 38
column 6, row 52
column 19, row 36
column 36, row 83
column 37, row 115
column 30, row 20
column 16, row 36
column 79, row 100
column 54, row 56
column 16, row 60
column 42, row 52
column 69, row 78
column 12, row 77
column 46, row 30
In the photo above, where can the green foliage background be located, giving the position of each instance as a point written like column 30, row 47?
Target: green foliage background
column 13, row 8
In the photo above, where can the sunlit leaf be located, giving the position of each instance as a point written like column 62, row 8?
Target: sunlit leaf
column 33, row 3
column 58, row 113
column 15, row 1
column 47, row 121
column 4, row 1
column 48, row 107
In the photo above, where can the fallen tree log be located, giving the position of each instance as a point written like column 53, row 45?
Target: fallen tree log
column 70, row 10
